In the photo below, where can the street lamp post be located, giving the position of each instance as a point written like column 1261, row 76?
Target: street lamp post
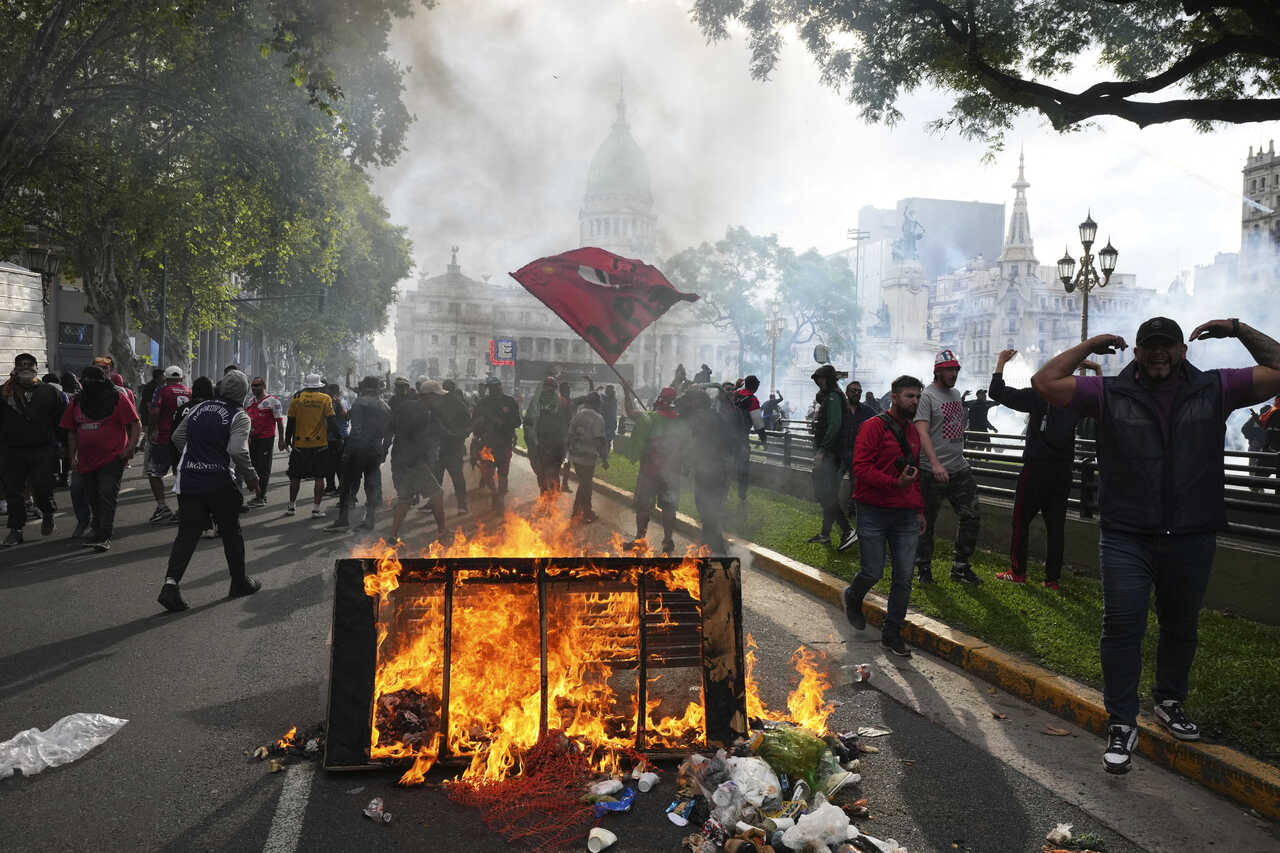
column 1087, row 278
column 773, row 328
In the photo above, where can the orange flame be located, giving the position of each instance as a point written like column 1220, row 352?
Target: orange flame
column 289, row 739
column 806, row 705
column 486, row 455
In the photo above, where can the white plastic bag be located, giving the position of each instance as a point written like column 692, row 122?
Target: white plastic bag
column 756, row 779
column 66, row 740
column 826, row 824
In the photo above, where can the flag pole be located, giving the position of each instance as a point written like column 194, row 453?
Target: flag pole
column 627, row 386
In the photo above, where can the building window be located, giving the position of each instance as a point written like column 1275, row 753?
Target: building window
column 76, row 334
column 524, row 345
column 453, row 341
column 471, row 367
column 433, row 366
column 435, row 340
column 544, row 346
column 561, row 346
column 606, row 227
column 453, row 366
column 471, row 341
column 1253, row 185
column 454, row 308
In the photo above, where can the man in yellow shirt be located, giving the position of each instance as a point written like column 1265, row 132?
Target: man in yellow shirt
column 307, row 435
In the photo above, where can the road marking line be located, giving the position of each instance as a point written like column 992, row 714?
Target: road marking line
column 286, row 826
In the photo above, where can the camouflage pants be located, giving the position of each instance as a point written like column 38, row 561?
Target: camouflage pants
column 961, row 490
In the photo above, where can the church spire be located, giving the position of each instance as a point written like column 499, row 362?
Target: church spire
column 621, row 120
column 1018, row 246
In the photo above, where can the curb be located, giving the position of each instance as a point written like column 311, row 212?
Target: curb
column 1241, row 778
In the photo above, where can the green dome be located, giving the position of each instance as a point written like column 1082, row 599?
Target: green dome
column 618, row 167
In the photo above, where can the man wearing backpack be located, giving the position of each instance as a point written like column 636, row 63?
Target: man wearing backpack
column 886, row 469
column 833, row 413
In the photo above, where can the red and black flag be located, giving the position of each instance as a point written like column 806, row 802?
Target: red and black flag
column 608, row 300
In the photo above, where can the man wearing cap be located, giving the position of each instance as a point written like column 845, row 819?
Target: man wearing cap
column 587, row 446
column 362, row 455
column 166, row 401
column 411, row 459
column 494, row 423
column 828, row 456
column 29, row 414
column 655, row 446
column 267, row 414
column 310, row 418
column 940, row 421
column 214, row 441
column 1161, row 429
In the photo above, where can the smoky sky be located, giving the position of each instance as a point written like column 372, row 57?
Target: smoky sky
column 513, row 98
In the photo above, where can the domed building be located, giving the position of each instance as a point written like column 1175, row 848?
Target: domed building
column 617, row 209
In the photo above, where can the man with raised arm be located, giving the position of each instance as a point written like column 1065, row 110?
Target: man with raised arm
column 1161, row 425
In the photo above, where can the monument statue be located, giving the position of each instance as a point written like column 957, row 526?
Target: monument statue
column 905, row 247
column 881, row 328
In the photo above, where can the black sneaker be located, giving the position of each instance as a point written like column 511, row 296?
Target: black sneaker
column 161, row 515
column 14, row 538
column 1172, row 717
column 893, row 643
column 961, row 573
column 853, row 609
column 819, row 539
column 334, row 527
column 924, row 574
column 1120, row 743
column 246, row 587
column 101, row 545
column 848, row 540
column 668, row 546
column 46, row 524
column 170, row 598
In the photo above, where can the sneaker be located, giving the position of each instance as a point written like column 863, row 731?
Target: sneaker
column 463, row 509
column 1120, row 743
column 924, row 575
column 256, row 503
column 246, row 587
column 176, row 518
column 1011, row 577
column 14, row 538
column 853, row 609
column 334, row 527
column 848, row 540
column 171, row 599
column 895, row 645
column 1170, row 714
column 961, row 573
column 46, row 524
column 668, row 546
column 101, row 545
column 79, row 532
column 317, row 513
column 290, row 509
column 162, row 514
column 1053, row 585
column 589, row 517
column 819, row 539
column 212, row 533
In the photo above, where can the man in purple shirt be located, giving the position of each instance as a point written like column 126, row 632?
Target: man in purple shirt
column 1161, row 428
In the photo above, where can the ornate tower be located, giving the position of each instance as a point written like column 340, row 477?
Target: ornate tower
column 1018, row 260
column 617, row 209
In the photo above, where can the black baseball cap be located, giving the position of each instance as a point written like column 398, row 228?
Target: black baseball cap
column 1159, row 327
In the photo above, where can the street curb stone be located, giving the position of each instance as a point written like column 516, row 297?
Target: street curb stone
column 1246, row 780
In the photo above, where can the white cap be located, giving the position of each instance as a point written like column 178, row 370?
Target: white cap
column 173, row 372
column 313, row 380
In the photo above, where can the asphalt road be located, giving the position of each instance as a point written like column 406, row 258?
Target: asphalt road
column 83, row 633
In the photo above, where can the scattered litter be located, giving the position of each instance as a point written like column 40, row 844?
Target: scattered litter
column 1060, row 834
column 606, row 788
column 600, row 838
column 647, row 781
column 356, row 790
column 377, row 812
column 873, row 731
column 306, row 746
column 70, row 738
column 276, row 765
column 868, row 748
column 312, row 747
column 858, row 672
column 1056, row 732
column 621, row 804
column 261, row 753
column 998, row 716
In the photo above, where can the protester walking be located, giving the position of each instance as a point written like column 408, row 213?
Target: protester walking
column 311, row 420
column 494, row 423
column 160, row 459
column 587, row 447
column 655, row 447
column 709, row 439
column 454, row 421
column 751, row 420
column 102, row 435
column 609, row 409
column 363, row 454
column 939, row 419
column 1161, row 427
column 886, row 465
column 336, row 432
column 546, row 425
column 213, row 440
column 855, row 415
column 411, row 453
column 30, row 412
column 828, row 454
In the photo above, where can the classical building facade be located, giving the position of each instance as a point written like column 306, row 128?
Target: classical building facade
column 1020, row 304
column 445, row 326
column 1260, row 218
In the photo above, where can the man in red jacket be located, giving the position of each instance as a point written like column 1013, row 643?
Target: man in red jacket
column 886, row 470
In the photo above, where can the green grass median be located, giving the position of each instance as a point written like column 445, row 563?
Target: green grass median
column 1235, row 682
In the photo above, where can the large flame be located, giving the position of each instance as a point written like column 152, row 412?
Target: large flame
column 806, row 706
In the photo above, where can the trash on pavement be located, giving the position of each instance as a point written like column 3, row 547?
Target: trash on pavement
column 1056, row 732
column 858, row 672
column 825, row 825
column 276, row 765
column 873, row 731
column 646, row 781
column 70, row 738
column 377, row 812
column 1060, row 834
column 600, row 838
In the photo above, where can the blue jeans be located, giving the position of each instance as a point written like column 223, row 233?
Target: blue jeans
column 899, row 529
column 1178, row 567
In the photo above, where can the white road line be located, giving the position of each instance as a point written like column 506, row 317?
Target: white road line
column 286, row 826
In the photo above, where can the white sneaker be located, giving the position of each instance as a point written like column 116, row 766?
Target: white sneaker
column 1120, row 743
column 1172, row 717
column 317, row 513
column 290, row 509
column 848, row 540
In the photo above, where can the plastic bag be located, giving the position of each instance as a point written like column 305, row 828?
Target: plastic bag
column 825, row 825
column 757, row 780
column 792, row 751
column 62, row 743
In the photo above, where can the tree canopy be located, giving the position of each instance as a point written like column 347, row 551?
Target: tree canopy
column 1201, row 60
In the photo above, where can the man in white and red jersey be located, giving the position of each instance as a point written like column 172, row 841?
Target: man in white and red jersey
column 266, row 413
column 160, row 459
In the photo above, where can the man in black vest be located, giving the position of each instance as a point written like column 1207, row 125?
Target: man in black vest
column 1161, row 425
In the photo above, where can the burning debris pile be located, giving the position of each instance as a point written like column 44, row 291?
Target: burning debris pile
column 292, row 747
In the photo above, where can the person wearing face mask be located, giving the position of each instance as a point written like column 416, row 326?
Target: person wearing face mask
column 1161, row 426
column 102, row 435
column 29, row 416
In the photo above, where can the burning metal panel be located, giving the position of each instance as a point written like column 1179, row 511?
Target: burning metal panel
column 477, row 657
